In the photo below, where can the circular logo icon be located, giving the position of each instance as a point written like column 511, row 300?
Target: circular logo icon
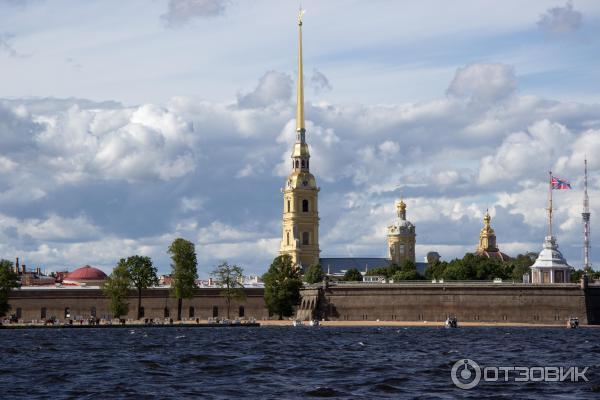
column 466, row 374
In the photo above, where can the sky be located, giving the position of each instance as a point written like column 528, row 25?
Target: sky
column 127, row 124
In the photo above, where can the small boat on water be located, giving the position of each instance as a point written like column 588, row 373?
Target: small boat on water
column 314, row 322
column 573, row 323
column 451, row 322
column 297, row 322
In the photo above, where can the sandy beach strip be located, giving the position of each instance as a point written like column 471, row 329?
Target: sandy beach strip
column 418, row 323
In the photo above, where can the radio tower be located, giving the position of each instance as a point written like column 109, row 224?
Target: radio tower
column 586, row 223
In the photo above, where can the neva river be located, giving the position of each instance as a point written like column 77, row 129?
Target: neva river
column 278, row 362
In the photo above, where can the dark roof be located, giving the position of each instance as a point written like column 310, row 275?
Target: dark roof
column 493, row 254
column 336, row 265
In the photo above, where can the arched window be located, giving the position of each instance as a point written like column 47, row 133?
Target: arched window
column 305, row 237
column 304, row 205
column 297, row 164
column 241, row 312
column 289, row 204
column 303, row 164
column 287, row 234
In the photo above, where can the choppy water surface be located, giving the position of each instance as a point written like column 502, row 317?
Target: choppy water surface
column 286, row 362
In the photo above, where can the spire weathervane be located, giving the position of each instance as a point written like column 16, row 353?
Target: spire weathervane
column 300, row 88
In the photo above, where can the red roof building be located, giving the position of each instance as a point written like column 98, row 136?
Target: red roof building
column 86, row 275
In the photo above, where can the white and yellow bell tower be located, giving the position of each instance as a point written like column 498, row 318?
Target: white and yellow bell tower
column 401, row 237
column 300, row 195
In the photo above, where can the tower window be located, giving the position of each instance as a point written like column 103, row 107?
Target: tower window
column 303, row 164
column 297, row 164
column 288, row 238
column 305, row 238
column 304, row 205
column 289, row 204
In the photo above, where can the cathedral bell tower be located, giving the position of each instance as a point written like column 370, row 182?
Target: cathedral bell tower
column 401, row 237
column 300, row 195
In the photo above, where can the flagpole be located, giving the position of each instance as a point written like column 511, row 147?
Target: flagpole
column 550, row 203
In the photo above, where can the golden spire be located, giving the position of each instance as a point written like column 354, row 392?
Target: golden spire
column 300, row 87
column 401, row 209
column 486, row 219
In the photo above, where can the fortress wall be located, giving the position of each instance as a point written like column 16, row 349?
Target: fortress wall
column 536, row 304
column 592, row 299
column 508, row 303
column 154, row 301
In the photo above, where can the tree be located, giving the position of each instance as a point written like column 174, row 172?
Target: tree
column 436, row 270
column 142, row 275
column 229, row 277
column 184, row 271
column 282, row 286
column 8, row 281
column 314, row 274
column 116, row 288
column 521, row 265
column 353, row 275
column 407, row 272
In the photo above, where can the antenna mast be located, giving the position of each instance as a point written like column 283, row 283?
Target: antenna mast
column 586, row 222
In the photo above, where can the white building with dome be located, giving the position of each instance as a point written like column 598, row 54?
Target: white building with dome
column 550, row 266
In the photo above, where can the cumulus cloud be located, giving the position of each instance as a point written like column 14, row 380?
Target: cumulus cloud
column 319, row 82
column 561, row 20
column 273, row 87
column 482, row 82
column 19, row 3
column 522, row 153
column 181, row 12
column 135, row 178
column 131, row 144
column 6, row 47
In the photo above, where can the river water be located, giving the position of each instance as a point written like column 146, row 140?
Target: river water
column 287, row 362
